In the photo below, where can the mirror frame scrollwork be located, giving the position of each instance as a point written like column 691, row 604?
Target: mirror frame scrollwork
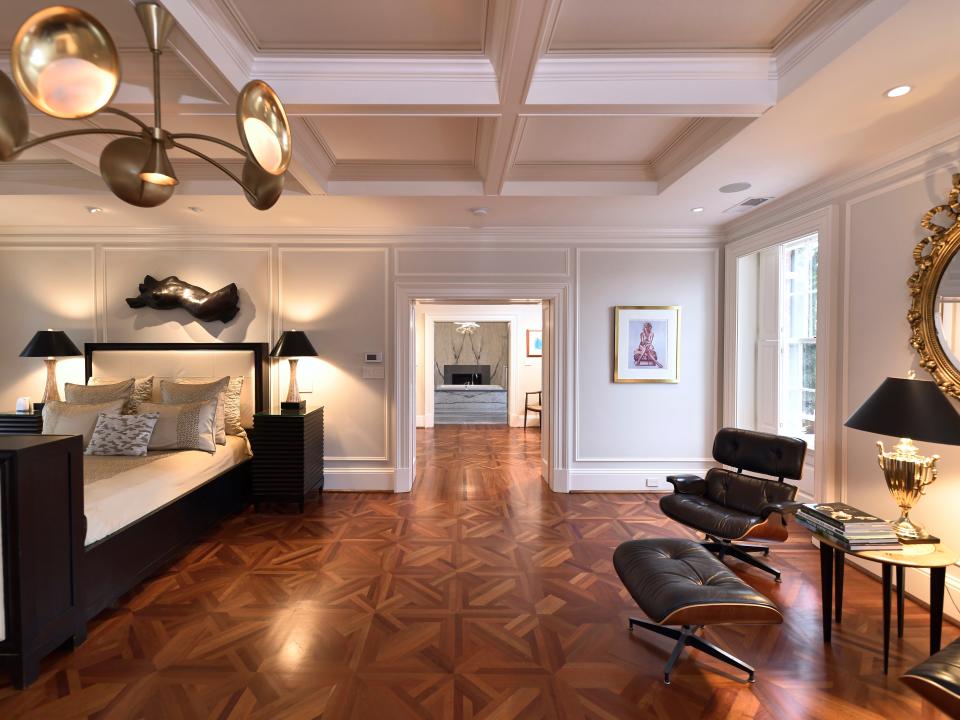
column 932, row 256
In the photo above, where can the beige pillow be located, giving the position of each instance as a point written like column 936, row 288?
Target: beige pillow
column 194, row 391
column 232, row 418
column 142, row 391
column 64, row 418
column 87, row 394
column 184, row 426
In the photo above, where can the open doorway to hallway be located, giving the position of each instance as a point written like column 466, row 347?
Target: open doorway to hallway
column 479, row 387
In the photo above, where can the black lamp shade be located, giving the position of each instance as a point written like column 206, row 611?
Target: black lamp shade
column 293, row 343
column 50, row 343
column 914, row 409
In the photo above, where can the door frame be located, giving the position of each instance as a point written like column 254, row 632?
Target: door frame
column 557, row 374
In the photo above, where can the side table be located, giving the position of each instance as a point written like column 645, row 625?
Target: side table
column 21, row 423
column 287, row 456
column 831, row 569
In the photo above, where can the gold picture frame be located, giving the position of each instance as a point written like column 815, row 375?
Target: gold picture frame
column 646, row 344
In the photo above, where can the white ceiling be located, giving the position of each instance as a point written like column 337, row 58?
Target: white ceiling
column 549, row 112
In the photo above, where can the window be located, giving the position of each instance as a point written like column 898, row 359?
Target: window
column 797, row 404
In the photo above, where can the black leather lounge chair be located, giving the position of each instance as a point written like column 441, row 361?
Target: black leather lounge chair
column 730, row 506
column 937, row 679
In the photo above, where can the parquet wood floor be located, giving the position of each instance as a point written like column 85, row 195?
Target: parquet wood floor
column 480, row 596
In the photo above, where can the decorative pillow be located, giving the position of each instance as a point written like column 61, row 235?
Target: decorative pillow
column 88, row 394
column 63, row 418
column 184, row 426
column 181, row 392
column 117, row 434
column 142, row 392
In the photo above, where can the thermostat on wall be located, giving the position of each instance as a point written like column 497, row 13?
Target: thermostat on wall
column 373, row 357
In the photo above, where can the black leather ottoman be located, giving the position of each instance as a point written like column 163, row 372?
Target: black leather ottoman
column 937, row 679
column 679, row 582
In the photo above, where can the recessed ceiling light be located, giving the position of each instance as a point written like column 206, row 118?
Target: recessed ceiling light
column 195, row 209
column 94, row 210
column 696, row 210
column 735, row 187
column 479, row 211
column 898, row 91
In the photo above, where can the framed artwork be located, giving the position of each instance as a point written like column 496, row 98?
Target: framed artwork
column 646, row 344
column 534, row 343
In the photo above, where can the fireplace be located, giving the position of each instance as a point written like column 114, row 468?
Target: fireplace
column 466, row 374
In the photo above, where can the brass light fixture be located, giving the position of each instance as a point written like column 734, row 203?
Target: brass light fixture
column 65, row 64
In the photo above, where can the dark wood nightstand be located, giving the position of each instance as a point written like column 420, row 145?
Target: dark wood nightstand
column 287, row 456
column 25, row 423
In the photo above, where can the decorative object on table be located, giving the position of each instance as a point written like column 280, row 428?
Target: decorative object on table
column 50, row 344
column 287, row 456
column 910, row 410
column 851, row 528
column 293, row 345
column 646, row 345
column 534, row 343
column 23, row 405
column 730, row 506
column 934, row 314
column 172, row 292
column 65, row 63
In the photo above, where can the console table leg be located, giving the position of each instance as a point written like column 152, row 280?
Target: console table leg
column 887, row 587
column 826, row 588
column 838, row 563
column 938, row 580
column 900, row 594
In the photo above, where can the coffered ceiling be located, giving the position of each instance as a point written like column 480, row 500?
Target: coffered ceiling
column 482, row 99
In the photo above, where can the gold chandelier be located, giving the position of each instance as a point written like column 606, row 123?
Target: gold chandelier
column 65, row 64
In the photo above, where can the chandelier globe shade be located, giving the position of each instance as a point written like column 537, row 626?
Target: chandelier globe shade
column 65, row 64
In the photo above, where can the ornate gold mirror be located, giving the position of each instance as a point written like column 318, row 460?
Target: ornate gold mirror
column 935, row 291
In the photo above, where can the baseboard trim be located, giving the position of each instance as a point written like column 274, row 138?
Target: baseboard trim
column 626, row 481
column 359, row 480
column 421, row 421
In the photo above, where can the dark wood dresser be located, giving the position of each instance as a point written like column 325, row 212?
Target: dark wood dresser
column 41, row 510
column 287, row 456
column 27, row 423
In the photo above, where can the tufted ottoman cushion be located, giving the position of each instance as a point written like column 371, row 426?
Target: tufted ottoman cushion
column 678, row 582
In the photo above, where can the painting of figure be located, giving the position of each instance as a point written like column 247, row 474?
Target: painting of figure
column 647, row 344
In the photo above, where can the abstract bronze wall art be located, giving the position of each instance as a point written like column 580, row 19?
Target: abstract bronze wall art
column 172, row 292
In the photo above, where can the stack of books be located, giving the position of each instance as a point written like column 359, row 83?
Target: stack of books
column 852, row 529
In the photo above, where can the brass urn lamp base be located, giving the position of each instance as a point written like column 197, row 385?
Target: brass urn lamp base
column 908, row 473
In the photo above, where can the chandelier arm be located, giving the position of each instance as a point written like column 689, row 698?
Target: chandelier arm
column 208, row 138
column 216, row 164
column 72, row 133
column 128, row 116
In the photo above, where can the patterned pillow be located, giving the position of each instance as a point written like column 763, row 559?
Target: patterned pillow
column 181, row 392
column 142, row 391
column 61, row 418
column 117, row 434
column 98, row 393
column 184, row 426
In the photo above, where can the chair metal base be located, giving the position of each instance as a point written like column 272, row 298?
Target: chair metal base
column 722, row 547
column 687, row 636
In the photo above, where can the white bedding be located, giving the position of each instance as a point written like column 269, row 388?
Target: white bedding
column 121, row 490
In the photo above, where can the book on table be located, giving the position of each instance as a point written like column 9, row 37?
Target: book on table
column 847, row 526
column 842, row 516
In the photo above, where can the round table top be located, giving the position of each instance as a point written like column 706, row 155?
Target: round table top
column 916, row 556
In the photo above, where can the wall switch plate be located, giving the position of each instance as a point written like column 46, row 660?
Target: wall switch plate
column 373, row 357
column 652, row 482
column 373, row 373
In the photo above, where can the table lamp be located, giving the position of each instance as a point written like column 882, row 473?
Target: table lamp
column 293, row 345
column 50, row 344
column 910, row 410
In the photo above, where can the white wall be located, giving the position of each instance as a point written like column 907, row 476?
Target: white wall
column 342, row 291
column 880, row 211
column 523, row 317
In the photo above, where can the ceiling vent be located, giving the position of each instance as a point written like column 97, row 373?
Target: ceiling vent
column 747, row 205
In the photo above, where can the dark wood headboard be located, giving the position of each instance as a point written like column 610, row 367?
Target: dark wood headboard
column 261, row 357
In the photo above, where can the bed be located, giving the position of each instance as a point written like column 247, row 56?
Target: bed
column 141, row 512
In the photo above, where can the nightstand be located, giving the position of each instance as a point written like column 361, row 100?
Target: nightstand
column 287, row 456
column 17, row 423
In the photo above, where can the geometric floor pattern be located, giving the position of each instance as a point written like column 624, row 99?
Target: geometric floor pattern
column 481, row 595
